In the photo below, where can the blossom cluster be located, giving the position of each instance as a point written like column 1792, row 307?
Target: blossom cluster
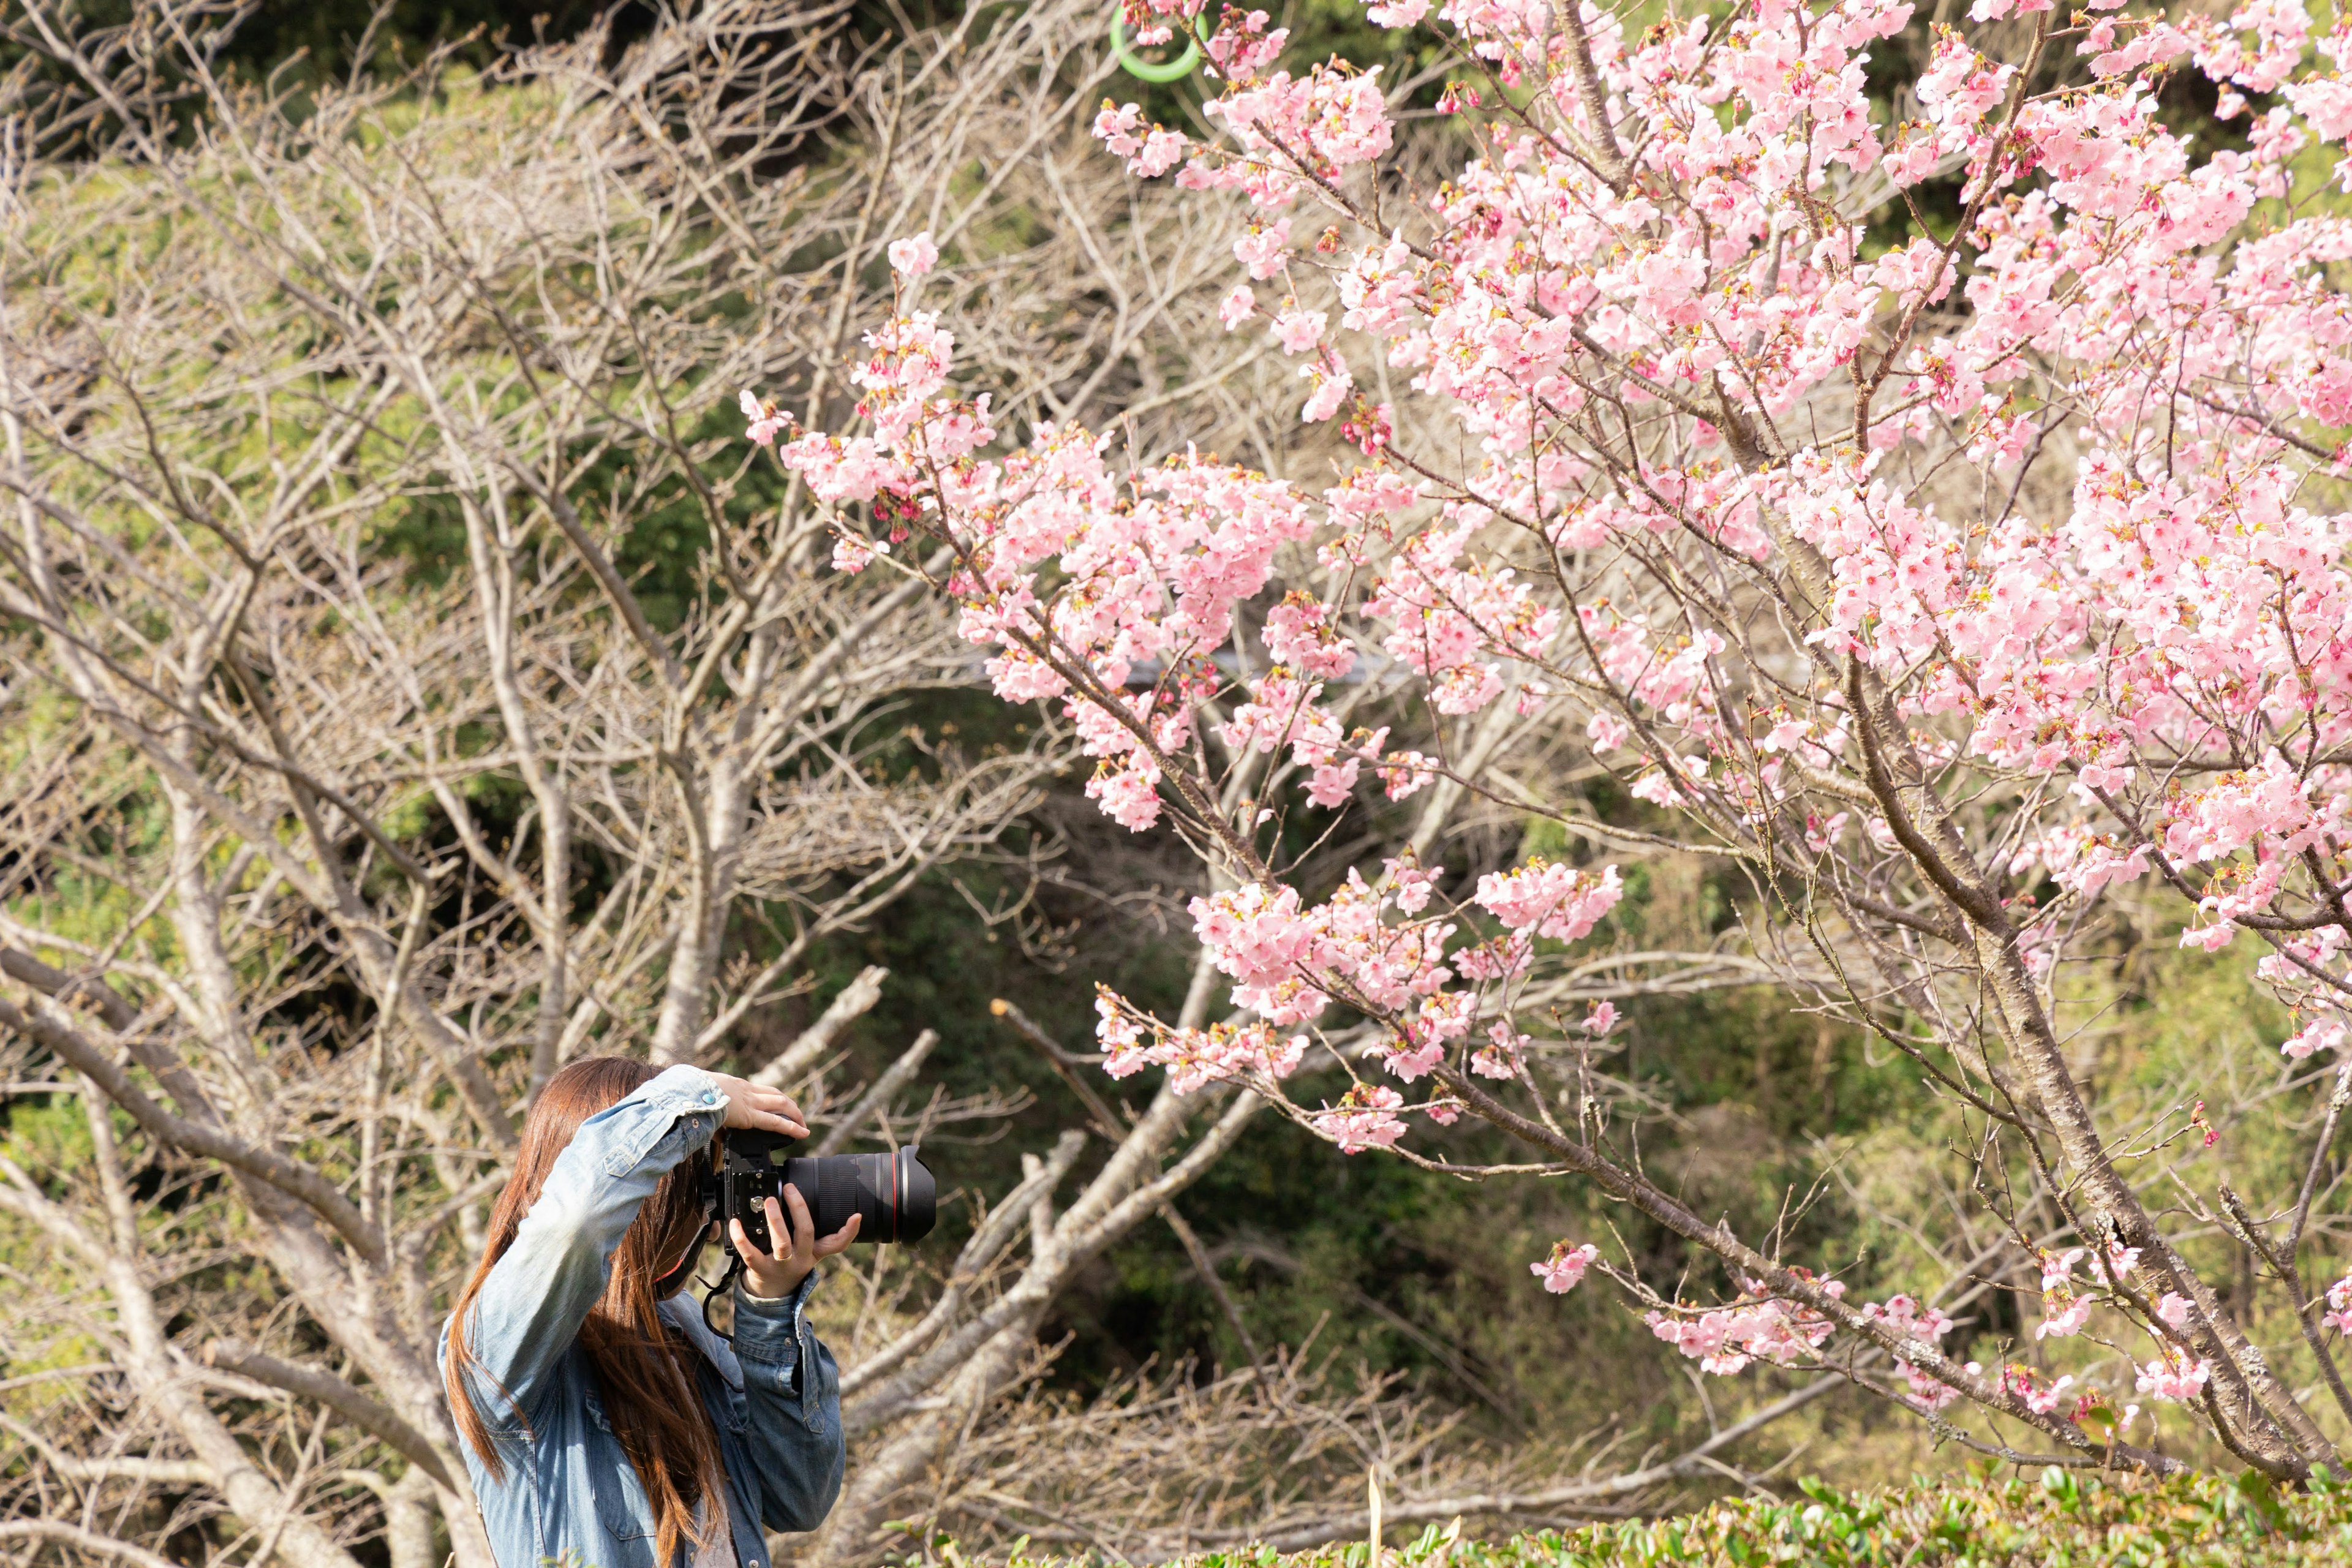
column 1564, row 1270
column 1759, row 1326
column 1648, row 375
column 2339, row 1315
column 1919, row 1324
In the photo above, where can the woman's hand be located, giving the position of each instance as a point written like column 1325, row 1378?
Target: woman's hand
column 780, row 1273
column 768, row 1110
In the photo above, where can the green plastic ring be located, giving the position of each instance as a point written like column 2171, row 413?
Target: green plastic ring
column 1173, row 70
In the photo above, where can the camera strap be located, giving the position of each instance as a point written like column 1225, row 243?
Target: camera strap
column 734, row 1267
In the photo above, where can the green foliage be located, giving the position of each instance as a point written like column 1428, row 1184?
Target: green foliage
column 2060, row 1519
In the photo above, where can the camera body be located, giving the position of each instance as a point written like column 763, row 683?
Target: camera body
column 894, row 1192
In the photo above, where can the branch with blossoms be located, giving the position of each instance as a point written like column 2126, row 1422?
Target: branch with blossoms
column 1949, row 587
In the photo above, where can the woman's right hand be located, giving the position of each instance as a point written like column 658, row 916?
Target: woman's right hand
column 748, row 1106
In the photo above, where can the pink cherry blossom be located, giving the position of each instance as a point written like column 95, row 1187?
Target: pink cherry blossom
column 2173, row 1377
column 1252, row 1053
column 2339, row 1315
column 1907, row 1316
column 1929, row 1393
column 2063, row 1308
column 1130, row 793
column 1115, row 127
column 2319, row 1035
column 1297, row 331
column 1724, row 1341
column 1263, row 251
column 1330, row 388
column 1149, row 151
column 913, row 258
column 2063, row 1319
column 766, row 419
column 1554, row 900
column 852, row 552
column 1365, row 1120
column 2040, row 1394
column 1564, row 1270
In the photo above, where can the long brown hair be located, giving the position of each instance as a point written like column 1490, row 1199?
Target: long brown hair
column 646, row 1373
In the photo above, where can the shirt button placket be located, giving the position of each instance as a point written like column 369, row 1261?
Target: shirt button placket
column 808, row 1379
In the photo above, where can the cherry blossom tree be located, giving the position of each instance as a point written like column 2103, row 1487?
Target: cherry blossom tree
column 406, row 688
column 1930, row 516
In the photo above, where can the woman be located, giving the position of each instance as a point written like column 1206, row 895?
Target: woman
column 605, row 1425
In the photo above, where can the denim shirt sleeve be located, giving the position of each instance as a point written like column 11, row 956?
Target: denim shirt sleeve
column 793, row 1391
column 537, row 1296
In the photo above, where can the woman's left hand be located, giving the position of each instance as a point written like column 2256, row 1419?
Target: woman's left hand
column 754, row 1108
column 798, row 1246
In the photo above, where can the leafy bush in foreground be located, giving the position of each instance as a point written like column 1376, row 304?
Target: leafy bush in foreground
column 2060, row 1520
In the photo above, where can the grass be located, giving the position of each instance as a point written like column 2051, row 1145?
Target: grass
column 2059, row 1519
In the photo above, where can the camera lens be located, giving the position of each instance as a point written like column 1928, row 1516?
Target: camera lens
column 894, row 1194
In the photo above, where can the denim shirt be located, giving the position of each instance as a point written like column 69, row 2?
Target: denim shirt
column 569, row 1493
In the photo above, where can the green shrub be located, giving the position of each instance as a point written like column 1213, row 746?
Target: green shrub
column 2061, row 1520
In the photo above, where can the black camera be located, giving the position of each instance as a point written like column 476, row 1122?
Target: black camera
column 893, row 1192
